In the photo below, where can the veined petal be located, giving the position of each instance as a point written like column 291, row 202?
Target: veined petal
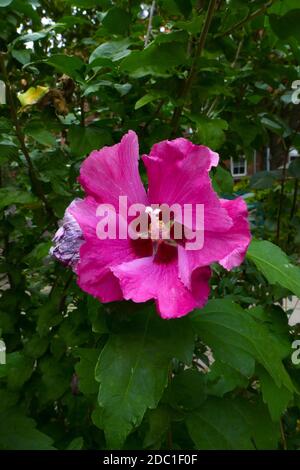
column 178, row 173
column 227, row 248
column 113, row 171
column 143, row 279
column 239, row 235
column 97, row 256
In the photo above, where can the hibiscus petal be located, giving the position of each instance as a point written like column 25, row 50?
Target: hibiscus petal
column 113, row 171
column 97, row 256
column 239, row 235
column 227, row 248
column 143, row 279
column 178, row 174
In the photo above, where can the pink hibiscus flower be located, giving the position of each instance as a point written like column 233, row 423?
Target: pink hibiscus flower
column 164, row 270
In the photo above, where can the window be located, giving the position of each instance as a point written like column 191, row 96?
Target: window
column 293, row 154
column 238, row 166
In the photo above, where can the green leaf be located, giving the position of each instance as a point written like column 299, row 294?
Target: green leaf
column 287, row 25
column 8, row 150
column 275, row 124
column 22, row 56
column 72, row 66
column 187, row 390
column 275, row 265
column 133, row 371
column 184, row 6
column 116, row 21
column 156, row 59
column 97, row 316
column 35, row 347
column 36, row 36
column 18, row 369
column 39, row 252
column 5, row 3
column 85, row 139
column 56, row 379
column 276, row 398
column 10, row 196
column 123, row 89
column 222, row 181
column 193, row 26
column 76, row 444
column 281, row 7
column 223, row 378
column 210, row 132
column 40, row 134
column 18, row 432
column 159, row 423
column 113, row 50
column 236, row 338
column 218, row 426
column 146, row 99
column 224, row 424
column 85, row 370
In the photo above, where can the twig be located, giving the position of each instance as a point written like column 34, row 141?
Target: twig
column 149, row 29
column 238, row 51
column 281, row 193
column 249, row 17
column 193, row 70
column 293, row 210
column 283, row 439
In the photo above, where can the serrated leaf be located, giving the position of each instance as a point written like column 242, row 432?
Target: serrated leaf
column 276, row 398
column 85, row 370
column 275, row 265
column 18, row 432
column 224, row 424
column 222, row 378
column 133, row 371
column 237, row 339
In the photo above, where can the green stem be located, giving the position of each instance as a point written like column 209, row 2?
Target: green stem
column 248, row 18
column 281, row 195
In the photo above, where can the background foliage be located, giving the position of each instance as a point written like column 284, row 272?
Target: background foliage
column 81, row 375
